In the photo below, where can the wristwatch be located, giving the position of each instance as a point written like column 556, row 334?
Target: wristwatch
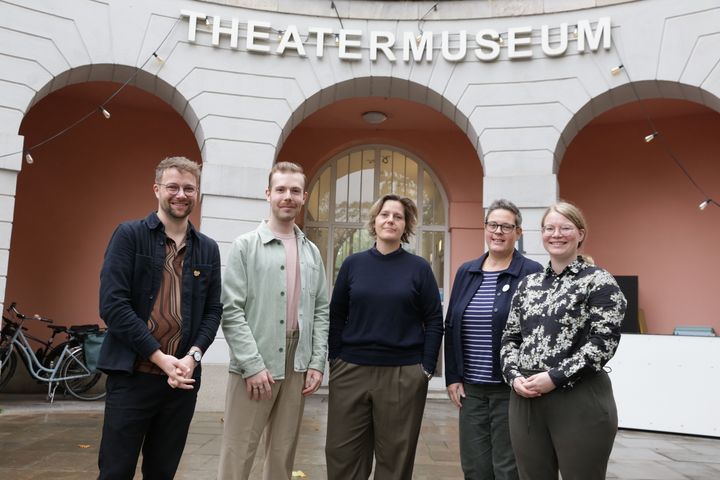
column 428, row 374
column 196, row 355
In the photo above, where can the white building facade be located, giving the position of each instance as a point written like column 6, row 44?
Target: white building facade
column 520, row 78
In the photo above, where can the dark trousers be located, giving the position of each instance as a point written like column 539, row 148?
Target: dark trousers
column 571, row 430
column 374, row 410
column 143, row 411
column 485, row 449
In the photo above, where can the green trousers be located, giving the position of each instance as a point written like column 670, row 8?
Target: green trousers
column 572, row 431
column 485, row 449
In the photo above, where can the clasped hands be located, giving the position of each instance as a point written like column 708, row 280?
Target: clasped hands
column 534, row 385
column 178, row 370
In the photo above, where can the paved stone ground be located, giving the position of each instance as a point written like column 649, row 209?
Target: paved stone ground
column 60, row 441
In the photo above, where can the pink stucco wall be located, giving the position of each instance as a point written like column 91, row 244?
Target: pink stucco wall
column 643, row 212
column 79, row 188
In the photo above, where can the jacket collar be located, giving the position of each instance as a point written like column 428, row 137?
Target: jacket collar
column 267, row 235
column 153, row 222
column 513, row 269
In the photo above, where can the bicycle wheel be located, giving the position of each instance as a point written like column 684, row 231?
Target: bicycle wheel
column 86, row 385
column 9, row 363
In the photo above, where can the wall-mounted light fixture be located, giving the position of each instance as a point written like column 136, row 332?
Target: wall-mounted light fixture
column 374, row 117
column 706, row 203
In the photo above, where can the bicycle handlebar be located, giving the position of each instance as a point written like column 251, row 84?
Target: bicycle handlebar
column 13, row 308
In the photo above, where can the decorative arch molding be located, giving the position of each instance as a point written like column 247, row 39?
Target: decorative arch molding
column 628, row 93
column 385, row 86
column 121, row 74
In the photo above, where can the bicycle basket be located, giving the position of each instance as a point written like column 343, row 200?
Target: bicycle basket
column 91, row 347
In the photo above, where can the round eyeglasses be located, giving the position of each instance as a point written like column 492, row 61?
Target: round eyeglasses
column 504, row 227
column 174, row 189
column 563, row 229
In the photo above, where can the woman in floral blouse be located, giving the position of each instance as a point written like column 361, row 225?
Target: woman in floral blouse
column 563, row 327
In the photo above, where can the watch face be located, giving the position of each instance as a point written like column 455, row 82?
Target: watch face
column 197, row 356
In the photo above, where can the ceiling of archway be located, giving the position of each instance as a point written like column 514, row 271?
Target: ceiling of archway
column 97, row 92
column 654, row 108
column 402, row 115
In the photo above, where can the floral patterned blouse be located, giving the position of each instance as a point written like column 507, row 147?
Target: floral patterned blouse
column 566, row 324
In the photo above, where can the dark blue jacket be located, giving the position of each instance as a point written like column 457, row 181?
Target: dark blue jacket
column 467, row 280
column 130, row 281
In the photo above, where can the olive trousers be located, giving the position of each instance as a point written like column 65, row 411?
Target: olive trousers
column 374, row 410
column 572, row 431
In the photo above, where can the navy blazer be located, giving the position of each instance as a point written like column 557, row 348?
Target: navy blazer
column 467, row 280
column 130, row 282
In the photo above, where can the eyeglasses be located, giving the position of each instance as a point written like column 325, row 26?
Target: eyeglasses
column 564, row 229
column 504, row 227
column 174, row 189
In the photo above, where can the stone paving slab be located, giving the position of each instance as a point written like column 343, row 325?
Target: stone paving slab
column 60, row 441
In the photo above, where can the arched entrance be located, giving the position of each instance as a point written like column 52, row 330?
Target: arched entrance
column 79, row 187
column 417, row 151
column 642, row 208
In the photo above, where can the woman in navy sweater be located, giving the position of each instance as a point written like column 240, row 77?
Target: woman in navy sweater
column 385, row 333
column 476, row 316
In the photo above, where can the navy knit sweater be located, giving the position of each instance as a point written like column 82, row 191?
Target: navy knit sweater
column 385, row 310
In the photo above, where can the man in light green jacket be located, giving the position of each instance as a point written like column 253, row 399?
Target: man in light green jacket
column 275, row 321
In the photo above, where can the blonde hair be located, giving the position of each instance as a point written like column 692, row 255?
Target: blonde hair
column 571, row 212
column 286, row 167
column 181, row 164
column 410, row 215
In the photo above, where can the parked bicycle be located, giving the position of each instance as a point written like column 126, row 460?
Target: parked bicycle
column 64, row 365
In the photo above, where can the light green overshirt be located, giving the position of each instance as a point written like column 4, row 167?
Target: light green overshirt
column 254, row 297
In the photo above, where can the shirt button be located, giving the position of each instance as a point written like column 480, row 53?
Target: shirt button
column 282, row 267
column 282, row 321
column 498, row 294
column 282, row 294
column 496, row 310
column 281, row 349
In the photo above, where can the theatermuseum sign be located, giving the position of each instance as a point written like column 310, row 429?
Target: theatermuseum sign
column 352, row 44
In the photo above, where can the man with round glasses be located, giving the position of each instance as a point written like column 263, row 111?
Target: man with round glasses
column 160, row 297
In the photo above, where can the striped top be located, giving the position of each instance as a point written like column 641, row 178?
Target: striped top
column 165, row 322
column 477, row 332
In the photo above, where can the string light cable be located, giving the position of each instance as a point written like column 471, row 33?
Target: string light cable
column 421, row 21
column 655, row 133
column 337, row 14
column 102, row 108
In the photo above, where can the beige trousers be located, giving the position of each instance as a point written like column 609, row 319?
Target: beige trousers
column 246, row 419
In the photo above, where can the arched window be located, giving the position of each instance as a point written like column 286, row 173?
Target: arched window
column 342, row 193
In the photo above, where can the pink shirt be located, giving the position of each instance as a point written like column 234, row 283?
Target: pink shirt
column 292, row 268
